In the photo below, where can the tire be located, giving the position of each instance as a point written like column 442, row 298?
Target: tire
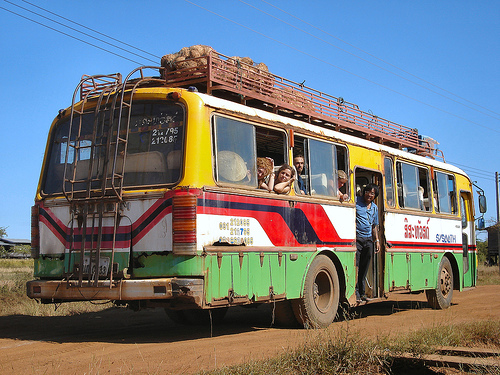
column 319, row 304
column 440, row 298
column 197, row 316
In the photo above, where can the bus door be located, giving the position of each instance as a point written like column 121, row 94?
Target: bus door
column 468, row 240
column 375, row 277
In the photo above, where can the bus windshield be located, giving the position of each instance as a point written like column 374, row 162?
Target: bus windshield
column 150, row 155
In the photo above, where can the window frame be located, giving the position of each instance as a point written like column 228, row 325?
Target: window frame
column 393, row 186
column 452, row 201
column 254, row 125
column 307, row 156
column 400, row 185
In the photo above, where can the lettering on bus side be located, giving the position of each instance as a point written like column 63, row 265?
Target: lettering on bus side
column 419, row 231
column 446, row 238
column 236, row 231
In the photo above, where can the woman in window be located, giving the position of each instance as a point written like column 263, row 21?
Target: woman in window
column 265, row 174
column 284, row 179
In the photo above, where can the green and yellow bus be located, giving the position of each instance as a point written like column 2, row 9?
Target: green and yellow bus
column 149, row 197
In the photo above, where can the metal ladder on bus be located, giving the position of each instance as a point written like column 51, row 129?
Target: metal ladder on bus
column 104, row 201
column 96, row 193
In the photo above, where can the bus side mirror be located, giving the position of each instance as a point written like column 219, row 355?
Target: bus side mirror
column 482, row 204
column 480, row 223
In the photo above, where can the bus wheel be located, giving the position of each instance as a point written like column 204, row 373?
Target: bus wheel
column 440, row 298
column 318, row 306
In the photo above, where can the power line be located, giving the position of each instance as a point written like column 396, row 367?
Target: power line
column 369, row 62
column 385, row 62
column 474, row 168
column 481, row 177
column 71, row 36
column 342, row 69
column 241, row 25
column 93, row 30
column 472, row 174
column 78, row 31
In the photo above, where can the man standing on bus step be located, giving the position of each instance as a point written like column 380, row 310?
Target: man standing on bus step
column 366, row 235
column 298, row 163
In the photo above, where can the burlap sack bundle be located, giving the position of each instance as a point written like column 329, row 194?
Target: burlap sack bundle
column 242, row 72
column 186, row 58
column 251, row 75
column 296, row 98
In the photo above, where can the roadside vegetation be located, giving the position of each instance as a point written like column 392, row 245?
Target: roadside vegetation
column 345, row 352
column 14, row 273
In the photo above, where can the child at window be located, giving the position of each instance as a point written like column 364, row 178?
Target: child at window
column 284, row 179
column 265, row 174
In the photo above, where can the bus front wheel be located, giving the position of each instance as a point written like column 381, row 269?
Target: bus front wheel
column 318, row 306
column 440, row 298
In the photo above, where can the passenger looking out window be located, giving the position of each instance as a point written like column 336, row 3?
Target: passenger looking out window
column 341, row 181
column 284, row 179
column 265, row 174
column 298, row 162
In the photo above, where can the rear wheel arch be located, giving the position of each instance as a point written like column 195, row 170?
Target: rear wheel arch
column 321, row 292
column 338, row 265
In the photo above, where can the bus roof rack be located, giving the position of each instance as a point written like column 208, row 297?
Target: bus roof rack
column 233, row 79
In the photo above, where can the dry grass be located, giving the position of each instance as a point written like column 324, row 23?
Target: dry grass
column 14, row 273
column 487, row 275
column 347, row 353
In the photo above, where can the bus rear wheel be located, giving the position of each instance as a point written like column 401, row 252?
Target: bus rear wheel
column 318, row 306
column 440, row 298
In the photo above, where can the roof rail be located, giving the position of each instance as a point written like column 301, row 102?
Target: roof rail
column 220, row 75
column 94, row 85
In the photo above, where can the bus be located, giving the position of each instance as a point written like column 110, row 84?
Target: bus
column 148, row 197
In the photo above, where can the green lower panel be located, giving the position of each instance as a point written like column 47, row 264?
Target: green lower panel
column 257, row 275
column 397, row 270
column 423, row 271
column 49, row 267
column 469, row 278
column 166, row 265
column 348, row 261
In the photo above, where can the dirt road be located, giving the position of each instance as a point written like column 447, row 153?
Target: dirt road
column 119, row 341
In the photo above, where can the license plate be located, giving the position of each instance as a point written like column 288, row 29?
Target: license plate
column 103, row 266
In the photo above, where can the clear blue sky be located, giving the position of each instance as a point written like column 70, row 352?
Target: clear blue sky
column 451, row 49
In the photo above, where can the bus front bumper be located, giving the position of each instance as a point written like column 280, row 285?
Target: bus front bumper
column 120, row 290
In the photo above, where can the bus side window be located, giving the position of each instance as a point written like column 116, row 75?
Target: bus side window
column 322, row 156
column 271, row 144
column 446, row 193
column 389, row 181
column 423, row 189
column 235, row 152
column 413, row 187
column 300, row 149
column 343, row 165
column 237, row 146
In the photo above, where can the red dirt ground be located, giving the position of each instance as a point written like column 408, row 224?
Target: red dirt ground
column 119, row 341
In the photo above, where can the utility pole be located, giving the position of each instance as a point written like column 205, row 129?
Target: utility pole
column 498, row 194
